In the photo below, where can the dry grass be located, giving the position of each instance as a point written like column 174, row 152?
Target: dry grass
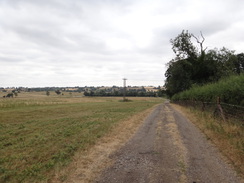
column 228, row 137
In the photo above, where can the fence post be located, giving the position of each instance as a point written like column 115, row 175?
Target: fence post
column 203, row 106
column 195, row 103
column 220, row 109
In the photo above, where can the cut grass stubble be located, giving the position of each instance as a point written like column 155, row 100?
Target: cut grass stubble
column 36, row 139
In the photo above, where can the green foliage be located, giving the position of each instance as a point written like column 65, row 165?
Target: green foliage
column 193, row 67
column 183, row 47
column 230, row 90
column 47, row 93
column 239, row 64
column 161, row 93
column 58, row 92
column 15, row 94
column 9, row 95
column 131, row 93
column 178, row 80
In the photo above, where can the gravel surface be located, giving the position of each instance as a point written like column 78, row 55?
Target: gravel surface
column 167, row 148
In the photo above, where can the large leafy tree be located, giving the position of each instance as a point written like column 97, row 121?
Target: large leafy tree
column 183, row 46
column 186, row 65
column 177, row 80
column 194, row 65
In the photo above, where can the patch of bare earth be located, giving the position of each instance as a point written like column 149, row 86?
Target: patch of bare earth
column 87, row 165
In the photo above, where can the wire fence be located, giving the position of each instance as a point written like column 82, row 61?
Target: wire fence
column 227, row 112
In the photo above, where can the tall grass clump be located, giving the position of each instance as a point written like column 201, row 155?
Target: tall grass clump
column 230, row 90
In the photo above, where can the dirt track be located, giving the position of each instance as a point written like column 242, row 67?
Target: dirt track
column 167, row 148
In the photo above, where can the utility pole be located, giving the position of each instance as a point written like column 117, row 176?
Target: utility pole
column 124, row 88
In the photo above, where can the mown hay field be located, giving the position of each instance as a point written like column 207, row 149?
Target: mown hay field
column 40, row 133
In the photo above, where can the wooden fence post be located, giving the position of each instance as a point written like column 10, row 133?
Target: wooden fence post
column 220, row 109
column 203, row 106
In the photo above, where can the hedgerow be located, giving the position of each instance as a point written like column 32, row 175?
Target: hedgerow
column 230, row 90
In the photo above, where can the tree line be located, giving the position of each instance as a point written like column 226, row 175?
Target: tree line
column 194, row 65
column 104, row 93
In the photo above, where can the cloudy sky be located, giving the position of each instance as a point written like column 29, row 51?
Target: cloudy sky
column 99, row 42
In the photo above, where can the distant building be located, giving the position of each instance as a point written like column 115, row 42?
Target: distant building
column 151, row 89
column 71, row 89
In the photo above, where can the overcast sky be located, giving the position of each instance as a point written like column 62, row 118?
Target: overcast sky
column 99, row 42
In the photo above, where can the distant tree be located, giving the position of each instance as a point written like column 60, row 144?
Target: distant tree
column 116, row 93
column 9, row 95
column 143, row 89
column 183, row 46
column 141, row 94
column 161, row 93
column 15, row 93
column 86, row 93
column 178, row 76
column 58, row 92
column 92, row 93
column 101, row 93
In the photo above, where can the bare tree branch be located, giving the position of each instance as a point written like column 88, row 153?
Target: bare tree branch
column 200, row 42
column 202, row 37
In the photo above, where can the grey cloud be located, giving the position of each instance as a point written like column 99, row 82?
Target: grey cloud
column 81, row 39
column 9, row 59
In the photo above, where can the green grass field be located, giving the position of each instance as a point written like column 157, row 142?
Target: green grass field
column 39, row 133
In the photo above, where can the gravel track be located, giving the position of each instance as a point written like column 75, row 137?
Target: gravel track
column 168, row 148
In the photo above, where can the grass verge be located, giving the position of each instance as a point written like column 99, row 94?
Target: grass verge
column 228, row 137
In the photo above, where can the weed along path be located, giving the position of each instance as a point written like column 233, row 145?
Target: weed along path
column 167, row 148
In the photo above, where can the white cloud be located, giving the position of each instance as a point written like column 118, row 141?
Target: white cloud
column 79, row 42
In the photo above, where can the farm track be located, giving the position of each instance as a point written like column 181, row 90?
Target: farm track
column 168, row 148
